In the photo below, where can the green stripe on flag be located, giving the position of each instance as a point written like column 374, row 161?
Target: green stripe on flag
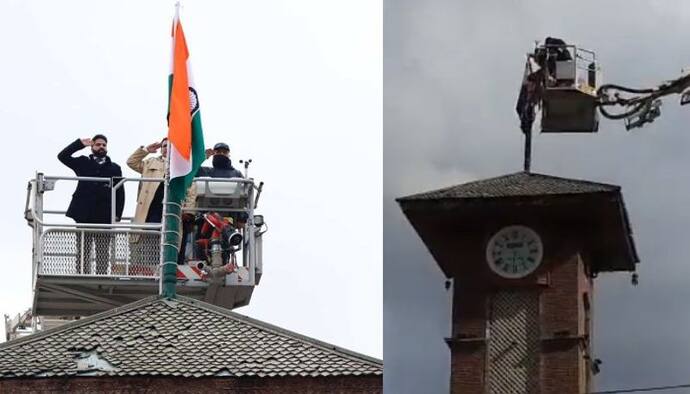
column 177, row 191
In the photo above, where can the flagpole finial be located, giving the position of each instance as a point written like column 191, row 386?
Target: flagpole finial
column 177, row 10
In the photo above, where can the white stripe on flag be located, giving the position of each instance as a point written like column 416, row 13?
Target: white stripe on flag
column 179, row 166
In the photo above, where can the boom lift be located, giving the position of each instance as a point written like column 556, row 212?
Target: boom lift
column 564, row 81
column 221, row 266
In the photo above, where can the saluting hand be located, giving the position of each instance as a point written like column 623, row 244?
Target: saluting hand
column 209, row 152
column 86, row 142
column 153, row 148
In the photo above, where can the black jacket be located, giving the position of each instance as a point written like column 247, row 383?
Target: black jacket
column 221, row 171
column 91, row 201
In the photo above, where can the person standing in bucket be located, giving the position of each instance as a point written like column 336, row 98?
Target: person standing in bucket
column 222, row 166
column 91, row 201
column 150, row 204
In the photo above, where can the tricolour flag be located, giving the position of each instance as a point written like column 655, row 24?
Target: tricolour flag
column 185, row 137
column 186, row 150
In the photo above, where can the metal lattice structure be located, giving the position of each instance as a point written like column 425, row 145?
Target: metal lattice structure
column 514, row 343
column 108, row 252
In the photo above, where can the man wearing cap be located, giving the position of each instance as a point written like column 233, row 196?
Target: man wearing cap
column 222, row 166
column 91, row 200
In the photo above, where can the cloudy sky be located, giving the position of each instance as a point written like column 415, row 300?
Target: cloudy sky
column 452, row 70
column 295, row 86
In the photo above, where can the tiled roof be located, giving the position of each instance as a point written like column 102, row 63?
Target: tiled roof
column 181, row 337
column 520, row 184
column 424, row 210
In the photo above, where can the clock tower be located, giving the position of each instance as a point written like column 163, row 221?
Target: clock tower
column 523, row 251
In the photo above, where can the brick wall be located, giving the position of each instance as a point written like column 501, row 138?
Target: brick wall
column 468, row 359
column 245, row 385
column 562, row 327
column 467, row 368
column 469, row 310
column 559, row 301
column 560, row 368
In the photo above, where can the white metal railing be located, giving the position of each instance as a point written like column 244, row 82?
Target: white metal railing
column 580, row 71
column 18, row 326
column 27, row 323
column 127, row 249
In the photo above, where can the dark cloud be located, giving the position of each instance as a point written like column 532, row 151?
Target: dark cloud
column 451, row 74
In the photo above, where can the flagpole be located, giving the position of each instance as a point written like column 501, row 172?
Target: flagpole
column 183, row 118
column 170, row 246
column 166, row 290
column 164, row 220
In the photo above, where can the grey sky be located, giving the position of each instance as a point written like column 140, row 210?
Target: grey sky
column 452, row 70
column 296, row 86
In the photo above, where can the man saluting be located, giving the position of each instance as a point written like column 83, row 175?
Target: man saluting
column 91, row 200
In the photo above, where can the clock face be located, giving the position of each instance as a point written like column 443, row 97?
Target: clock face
column 514, row 252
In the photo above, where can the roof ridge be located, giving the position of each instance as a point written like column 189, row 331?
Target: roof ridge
column 262, row 325
column 411, row 196
column 573, row 179
column 494, row 182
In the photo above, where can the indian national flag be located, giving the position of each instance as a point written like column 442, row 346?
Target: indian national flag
column 186, row 150
column 185, row 137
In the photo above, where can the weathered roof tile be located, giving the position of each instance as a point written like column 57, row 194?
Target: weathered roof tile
column 182, row 337
column 520, row 184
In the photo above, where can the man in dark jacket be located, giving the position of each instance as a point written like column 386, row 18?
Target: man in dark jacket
column 91, row 201
column 222, row 166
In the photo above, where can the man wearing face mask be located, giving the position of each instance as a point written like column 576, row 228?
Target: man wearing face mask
column 91, row 200
column 222, row 166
